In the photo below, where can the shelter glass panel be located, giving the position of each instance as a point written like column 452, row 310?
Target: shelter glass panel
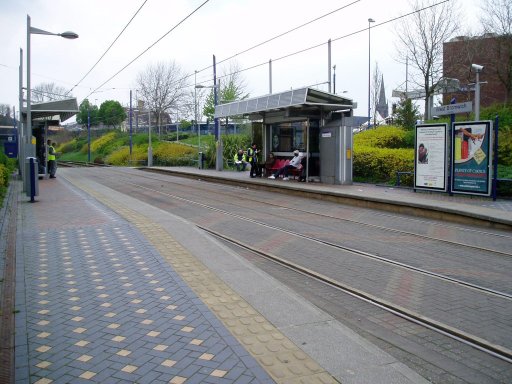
column 286, row 137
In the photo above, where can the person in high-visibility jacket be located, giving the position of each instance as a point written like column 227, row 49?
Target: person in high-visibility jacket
column 52, row 159
column 252, row 154
column 240, row 160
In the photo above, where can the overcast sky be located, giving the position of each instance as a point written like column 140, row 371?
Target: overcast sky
column 220, row 27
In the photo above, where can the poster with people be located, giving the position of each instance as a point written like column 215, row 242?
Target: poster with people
column 471, row 157
column 430, row 170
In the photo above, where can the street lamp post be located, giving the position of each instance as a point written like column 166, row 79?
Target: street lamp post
column 370, row 20
column 36, row 31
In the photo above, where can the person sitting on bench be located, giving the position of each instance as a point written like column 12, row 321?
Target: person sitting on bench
column 294, row 163
column 240, row 160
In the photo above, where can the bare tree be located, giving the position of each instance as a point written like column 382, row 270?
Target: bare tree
column 48, row 92
column 375, row 91
column 421, row 38
column 497, row 19
column 161, row 87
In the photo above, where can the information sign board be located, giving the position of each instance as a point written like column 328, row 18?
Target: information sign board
column 471, row 157
column 430, row 169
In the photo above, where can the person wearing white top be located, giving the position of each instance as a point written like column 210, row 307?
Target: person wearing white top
column 294, row 163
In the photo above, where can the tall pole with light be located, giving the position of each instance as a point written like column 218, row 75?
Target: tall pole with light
column 370, row 20
column 36, row 31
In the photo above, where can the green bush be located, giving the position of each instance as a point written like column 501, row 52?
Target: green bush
column 174, row 154
column 4, row 177
column 505, row 147
column 121, row 156
column 7, row 166
column 381, row 164
column 380, row 153
column 231, row 144
column 99, row 144
column 385, row 137
column 175, row 136
column 503, row 111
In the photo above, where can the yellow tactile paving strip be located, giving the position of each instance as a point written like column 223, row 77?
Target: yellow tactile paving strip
column 282, row 359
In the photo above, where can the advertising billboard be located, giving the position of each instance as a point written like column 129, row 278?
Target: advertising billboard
column 471, row 157
column 430, row 169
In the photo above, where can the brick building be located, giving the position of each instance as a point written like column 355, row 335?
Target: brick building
column 491, row 51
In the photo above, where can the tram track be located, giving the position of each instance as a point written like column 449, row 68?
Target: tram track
column 453, row 333
column 503, row 295
column 382, row 228
column 392, row 230
column 477, row 342
column 340, row 247
column 386, row 229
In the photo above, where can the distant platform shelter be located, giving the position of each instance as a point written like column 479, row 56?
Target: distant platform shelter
column 317, row 123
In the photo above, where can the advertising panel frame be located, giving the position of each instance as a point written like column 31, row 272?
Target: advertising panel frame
column 472, row 157
column 430, row 157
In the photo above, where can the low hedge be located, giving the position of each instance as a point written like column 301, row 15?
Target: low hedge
column 384, row 137
column 382, row 164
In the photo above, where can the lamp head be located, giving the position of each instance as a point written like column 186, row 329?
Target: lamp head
column 370, row 20
column 477, row 67
column 69, row 35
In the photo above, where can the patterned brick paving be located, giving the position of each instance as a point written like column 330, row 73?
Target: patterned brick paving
column 101, row 305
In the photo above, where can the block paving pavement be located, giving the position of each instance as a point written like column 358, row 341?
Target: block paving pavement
column 97, row 301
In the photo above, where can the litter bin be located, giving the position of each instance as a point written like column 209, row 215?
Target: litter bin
column 201, row 160
column 31, row 177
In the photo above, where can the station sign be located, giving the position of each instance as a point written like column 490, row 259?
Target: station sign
column 450, row 109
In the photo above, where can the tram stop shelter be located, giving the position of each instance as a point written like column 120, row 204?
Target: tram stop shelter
column 317, row 123
column 45, row 115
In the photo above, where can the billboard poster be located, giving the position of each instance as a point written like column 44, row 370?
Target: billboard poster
column 430, row 170
column 471, row 157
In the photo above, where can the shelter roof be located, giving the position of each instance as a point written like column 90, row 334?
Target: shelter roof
column 65, row 109
column 308, row 98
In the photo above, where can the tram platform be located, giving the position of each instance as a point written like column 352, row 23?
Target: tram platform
column 112, row 290
column 469, row 209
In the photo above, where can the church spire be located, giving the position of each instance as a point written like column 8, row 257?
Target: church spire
column 382, row 105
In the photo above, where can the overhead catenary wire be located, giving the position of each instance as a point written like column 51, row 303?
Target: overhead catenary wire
column 151, row 46
column 108, row 49
column 315, row 46
column 268, row 40
column 283, row 34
